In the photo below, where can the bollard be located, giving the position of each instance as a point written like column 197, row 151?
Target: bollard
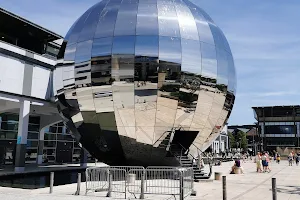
column 181, row 196
column 78, row 184
column 142, row 196
column 109, row 185
column 224, row 188
column 274, row 189
column 51, row 181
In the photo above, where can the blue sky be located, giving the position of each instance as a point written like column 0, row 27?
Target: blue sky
column 264, row 37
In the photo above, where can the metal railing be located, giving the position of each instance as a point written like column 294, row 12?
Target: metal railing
column 96, row 179
column 136, row 180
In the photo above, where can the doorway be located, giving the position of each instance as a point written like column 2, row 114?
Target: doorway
column 184, row 138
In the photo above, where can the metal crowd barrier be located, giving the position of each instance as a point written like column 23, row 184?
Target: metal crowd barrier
column 96, row 179
column 137, row 180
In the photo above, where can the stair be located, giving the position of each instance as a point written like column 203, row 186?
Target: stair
column 185, row 161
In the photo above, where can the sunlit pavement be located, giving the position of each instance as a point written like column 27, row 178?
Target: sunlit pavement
column 252, row 185
column 247, row 186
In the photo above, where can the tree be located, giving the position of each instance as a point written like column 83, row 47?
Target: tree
column 232, row 141
column 241, row 137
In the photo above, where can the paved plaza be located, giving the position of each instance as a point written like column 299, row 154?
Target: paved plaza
column 247, row 186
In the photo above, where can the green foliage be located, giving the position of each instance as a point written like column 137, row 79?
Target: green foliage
column 240, row 138
column 232, row 141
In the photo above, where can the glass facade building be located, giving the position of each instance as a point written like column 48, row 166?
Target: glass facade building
column 132, row 72
column 59, row 145
column 278, row 126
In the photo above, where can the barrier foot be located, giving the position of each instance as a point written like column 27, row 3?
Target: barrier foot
column 194, row 193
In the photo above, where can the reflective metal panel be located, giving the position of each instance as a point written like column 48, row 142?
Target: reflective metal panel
column 123, row 45
column 135, row 71
column 167, row 20
column 187, row 25
column 147, row 22
column 126, row 20
column 90, row 25
column 102, row 47
column 204, row 31
column 209, row 60
column 107, row 20
column 72, row 36
column 169, row 49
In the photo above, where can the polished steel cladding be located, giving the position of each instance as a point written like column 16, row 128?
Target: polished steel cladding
column 134, row 71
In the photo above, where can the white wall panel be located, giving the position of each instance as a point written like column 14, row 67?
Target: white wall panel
column 11, row 74
column 57, row 80
column 40, row 82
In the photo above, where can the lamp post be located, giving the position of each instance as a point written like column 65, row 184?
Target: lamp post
column 240, row 143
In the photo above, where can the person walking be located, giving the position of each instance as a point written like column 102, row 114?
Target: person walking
column 268, row 162
column 258, row 162
column 297, row 159
column 290, row 159
column 264, row 162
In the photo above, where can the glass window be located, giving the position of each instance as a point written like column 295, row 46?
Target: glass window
column 73, row 34
column 33, row 127
column 59, row 129
column 167, row 20
column 126, row 20
column 102, row 47
column 53, row 129
column 123, row 45
column 83, row 52
column 50, row 143
column 280, row 129
column 8, row 134
column 33, row 135
column 31, row 143
column 169, row 49
column 209, row 60
column 90, row 25
column 147, row 22
column 50, row 137
column 191, row 56
column 146, row 46
column 188, row 28
column 70, row 53
column 222, row 67
column 107, row 20
column 64, row 137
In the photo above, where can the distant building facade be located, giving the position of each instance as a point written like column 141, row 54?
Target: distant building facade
column 221, row 144
column 253, row 140
column 278, row 126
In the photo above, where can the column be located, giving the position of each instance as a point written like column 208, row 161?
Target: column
column 41, row 146
column 220, row 144
column 22, row 135
column 227, row 143
column 83, row 157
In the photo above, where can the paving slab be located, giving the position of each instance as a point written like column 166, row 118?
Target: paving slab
column 247, row 186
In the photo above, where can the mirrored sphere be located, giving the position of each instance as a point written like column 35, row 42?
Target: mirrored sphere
column 137, row 77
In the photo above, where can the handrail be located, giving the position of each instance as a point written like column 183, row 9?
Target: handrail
column 205, row 154
column 186, row 150
column 172, row 129
column 162, row 136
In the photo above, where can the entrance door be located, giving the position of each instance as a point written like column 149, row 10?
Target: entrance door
column 64, row 152
column 184, row 138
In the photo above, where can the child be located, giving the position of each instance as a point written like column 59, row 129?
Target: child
column 278, row 158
